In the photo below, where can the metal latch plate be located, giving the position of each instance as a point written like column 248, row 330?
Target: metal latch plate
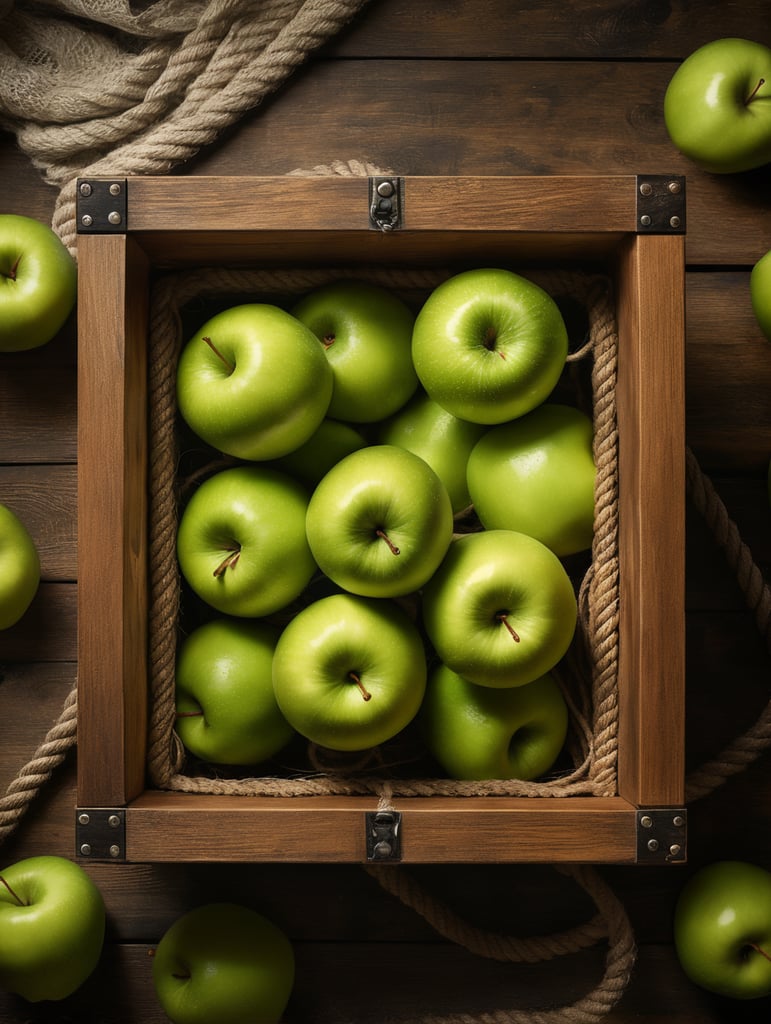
column 102, row 206
column 662, row 835
column 661, row 204
column 100, row 833
column 384, row 835
column 386, row 202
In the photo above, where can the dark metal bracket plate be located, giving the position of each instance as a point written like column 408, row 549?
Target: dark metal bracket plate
column 100, row 833
column 386, row 202
column 660, row 204
column 102, row 206
column 662, row 835
column 384, row 835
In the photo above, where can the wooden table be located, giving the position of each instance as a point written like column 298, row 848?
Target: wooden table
column 431, row 87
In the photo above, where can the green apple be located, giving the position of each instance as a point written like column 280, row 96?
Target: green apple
column 439, row 438
column 717, row 107
column 536, row 475
column 366, row 332
column 328, row 444
column 501, row 609
column 380, row 522
column 226, row 710
column 241, row 541
column 52, row 922
column 38, row 283
column 760, row 292
column 253, row 382
column 489, row 345
column 722, row 929
column 476, row 732
column 349, row 672
column 222, row 963
column 19, row 568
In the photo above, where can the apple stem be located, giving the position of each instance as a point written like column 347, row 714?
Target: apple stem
column 491, row 336
column 754, row 92
column 384, row 536
column 219, row 355
column 14, row 269
column 328, row 340
column 504, row 618
column 189, row 714
column 366, row 695
column 228, row 562
column 759, row 949
column 10, row 890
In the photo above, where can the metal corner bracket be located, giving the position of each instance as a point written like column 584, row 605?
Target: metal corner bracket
column 100, row 833
column 662, row 834
column 386, row 202
column 660, row 204
column 102, row 206
column 384, row 835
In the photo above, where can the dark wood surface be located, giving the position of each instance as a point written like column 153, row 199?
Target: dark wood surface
column 434, row 87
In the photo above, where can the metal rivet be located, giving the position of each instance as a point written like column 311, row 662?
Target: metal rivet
column 645, row 220
column 674, row 187
column 113, row 821
column 85, row 189
column 115, row 189
column 646, row 188
column 85, row 849
column 674, row 222
column 646, row 821
column 84, row 819
column 115, row 851
column 678, row 821
column 86, row 220
column 382, row 849
column 114, row 217
column 385, row 188
column 653, row 845
column 674, row 849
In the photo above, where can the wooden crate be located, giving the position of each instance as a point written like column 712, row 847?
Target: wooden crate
column 136, row 232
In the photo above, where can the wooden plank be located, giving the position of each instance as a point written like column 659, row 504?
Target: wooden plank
column 47, row 630
column 45, row 499
column 112, row 484
column 508, row 118
column 584, row 29
column 651, row 427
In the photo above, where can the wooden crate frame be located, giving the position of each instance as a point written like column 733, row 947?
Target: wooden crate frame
column 632, row 226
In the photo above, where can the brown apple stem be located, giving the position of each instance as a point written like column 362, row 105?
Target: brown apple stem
column 503, row 617
column 759, row 949
column 365, row 694
column 10, row 890
column 219, row 355
column 327, row 340
column 228, row 562
column 11, row 275
column 754, row 92
column 189, row 714
column 384, row 536
column 489, row 340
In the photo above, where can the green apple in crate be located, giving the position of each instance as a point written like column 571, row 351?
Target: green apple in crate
column 52, row 922
column 19, row 568
column 380, row 522
column 442, row 440
column 253, row 382
column 241, row 541
column 349, row 672
column 477, row 732
column 760, row 292
column 366, row 332
column 38, row 283
column 489, row 345
column 722, row 929
column 222, row 963
column 717, row 107
column 501, row 609
column 536, row 475
column 226, row 709
column 327, row 446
